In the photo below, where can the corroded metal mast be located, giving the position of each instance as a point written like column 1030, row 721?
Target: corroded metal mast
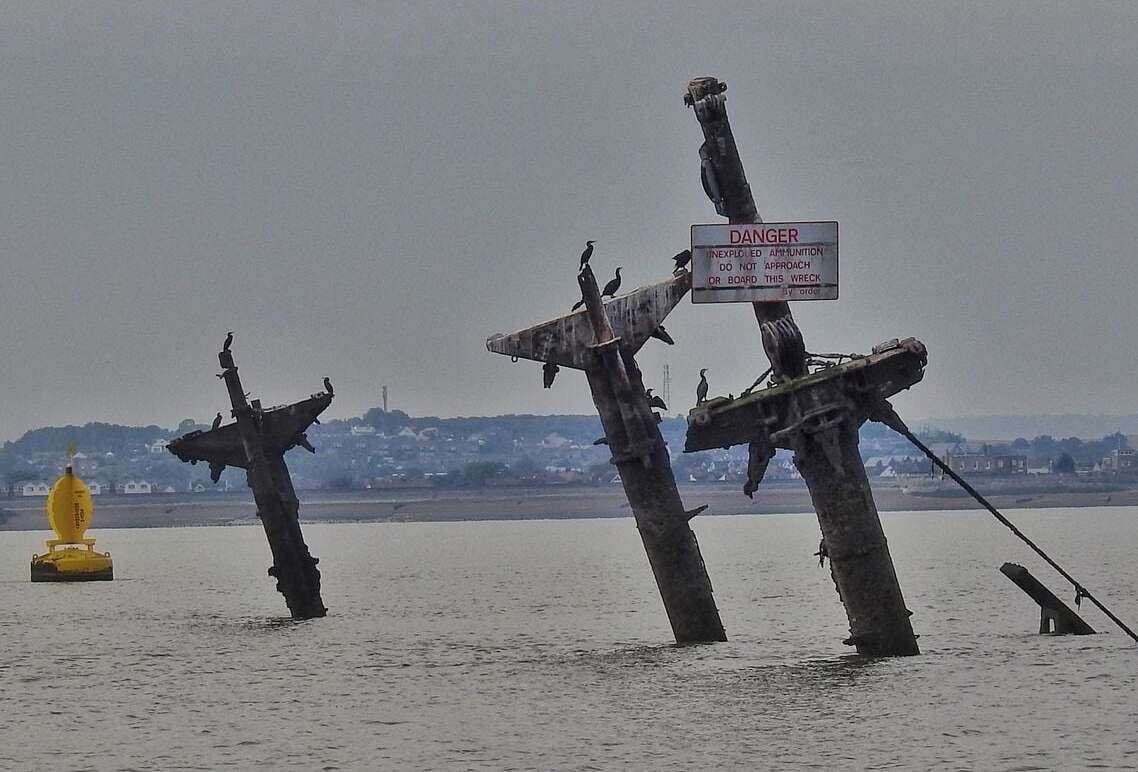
column 602, row 340
column 816, row 416
column 257, row 442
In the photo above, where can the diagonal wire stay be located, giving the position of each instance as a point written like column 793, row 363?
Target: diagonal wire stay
column 884, row 413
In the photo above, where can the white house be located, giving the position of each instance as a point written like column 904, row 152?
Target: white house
column 157, row 447
column 35, row 488
column 554, row 440
column 132, row 487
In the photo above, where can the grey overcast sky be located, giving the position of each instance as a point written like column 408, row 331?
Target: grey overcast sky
column 367, row 191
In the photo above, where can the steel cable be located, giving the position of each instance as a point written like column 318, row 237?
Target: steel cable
column 885, row 414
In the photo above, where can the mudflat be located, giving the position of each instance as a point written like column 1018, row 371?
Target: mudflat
column 425, row 505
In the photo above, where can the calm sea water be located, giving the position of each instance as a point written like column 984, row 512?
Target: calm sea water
column 543, row 645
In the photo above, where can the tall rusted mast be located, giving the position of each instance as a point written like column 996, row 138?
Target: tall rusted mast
column 257, row 442
column 602, row 340
column 817, row 416
column 725, row 182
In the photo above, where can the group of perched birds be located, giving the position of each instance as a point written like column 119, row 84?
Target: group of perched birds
column 682, row 260
column 302, row 439
column 610, row 289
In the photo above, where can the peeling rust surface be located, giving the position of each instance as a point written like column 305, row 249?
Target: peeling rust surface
column 257, row 442
column 764, row 415
column 568, row 340
column 280, row 428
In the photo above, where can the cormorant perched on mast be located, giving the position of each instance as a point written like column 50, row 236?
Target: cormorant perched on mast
column 661, row 334
column 613, row 285
column 822, row 552
column 682, row 259
column 216, row 421
column 701, row 389
column 549, row 371
column 302, row 440
column 328, row 387
column 654, row 400
column 228, row 341
column 586, row 255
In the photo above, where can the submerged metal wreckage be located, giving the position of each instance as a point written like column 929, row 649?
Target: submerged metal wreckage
column 816, row 415
column 257, row 442
column 602, row 339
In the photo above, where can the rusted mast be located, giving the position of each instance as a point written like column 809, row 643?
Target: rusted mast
column 602, row 340
column 257, row 442
column 641, row 457
column 823, row 423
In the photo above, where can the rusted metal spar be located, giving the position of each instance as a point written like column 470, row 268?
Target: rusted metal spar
column 641, row 457
column 602, row 340
column 820, row 423
column 725, row 182
column 817, row 417
column 257, row 442
column 1053, row 613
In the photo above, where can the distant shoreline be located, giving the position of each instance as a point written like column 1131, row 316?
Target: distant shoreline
column 235, row 508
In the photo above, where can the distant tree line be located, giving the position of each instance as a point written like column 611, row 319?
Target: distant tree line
column 1075, row 450
column 112, row 438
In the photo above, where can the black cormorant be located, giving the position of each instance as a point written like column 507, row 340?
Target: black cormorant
column 822, row 552
column 216, row 421
column 548, row 372
column 654, row 400
column 328, row 387
column 661, row 334
column 228, row 341
column 613, row 285
column 302, row 440
column 682, row 259
column 586, row 255
column 701, row 389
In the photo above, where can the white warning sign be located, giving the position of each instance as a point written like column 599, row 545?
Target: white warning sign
column 764, row 262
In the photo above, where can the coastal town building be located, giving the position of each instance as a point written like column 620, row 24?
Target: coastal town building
column 35, row 488
column 998, row 465
column 1121, row 460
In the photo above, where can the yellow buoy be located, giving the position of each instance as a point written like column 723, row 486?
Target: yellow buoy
column 70, row 557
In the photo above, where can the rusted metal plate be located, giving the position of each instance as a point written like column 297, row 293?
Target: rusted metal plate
column 1066, row 620
column 281, row 427
column 567, row 341
column 820, row 396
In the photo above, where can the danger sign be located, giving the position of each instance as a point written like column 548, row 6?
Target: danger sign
column 764, row 262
